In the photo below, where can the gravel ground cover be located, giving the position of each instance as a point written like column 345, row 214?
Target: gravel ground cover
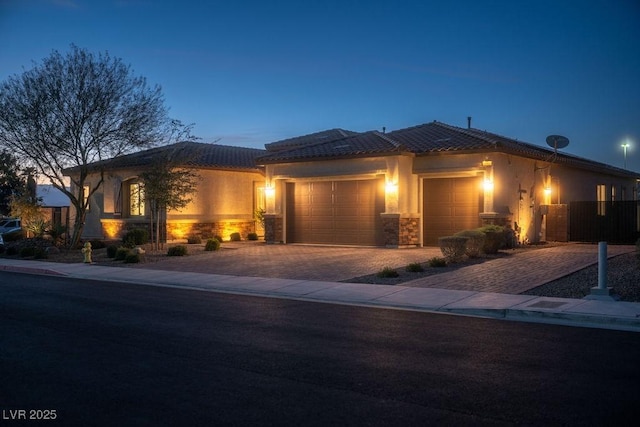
column 623, row 275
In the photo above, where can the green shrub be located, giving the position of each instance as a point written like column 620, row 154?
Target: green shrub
column 40, row 253
column 235, row 237
column 495, row 238
column 387, row 272
column 437, row 262
column 194, row 239
column 179, row 250
column 132, row 258
column 98, row 244
column 135, row 237
column 475, row 242
column 414, row 267
column 212, row 245
column 218, row 238
column 111, row 251
column 453, row 247
column 252, row 236
column 121, row 254
column 12, row 250
column 28, row 251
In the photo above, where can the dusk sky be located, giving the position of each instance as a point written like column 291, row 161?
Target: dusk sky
column 253, row 72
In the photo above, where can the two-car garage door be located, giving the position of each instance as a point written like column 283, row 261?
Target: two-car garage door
column 335, row 212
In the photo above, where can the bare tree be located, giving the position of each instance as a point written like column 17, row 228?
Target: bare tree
column 169, row 183
column 73, row 110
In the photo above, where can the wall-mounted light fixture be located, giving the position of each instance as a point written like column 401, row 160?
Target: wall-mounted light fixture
column 487, row 185
column 269, row 191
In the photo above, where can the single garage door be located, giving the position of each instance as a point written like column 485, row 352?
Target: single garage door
column 335, row 212
column 450, row 205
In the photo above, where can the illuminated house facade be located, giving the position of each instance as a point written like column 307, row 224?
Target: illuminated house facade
column 409, row 187
column 230, row 187
column 397, row 189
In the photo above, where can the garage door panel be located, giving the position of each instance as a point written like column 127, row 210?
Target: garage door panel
column 449, row 205
column 335, row 212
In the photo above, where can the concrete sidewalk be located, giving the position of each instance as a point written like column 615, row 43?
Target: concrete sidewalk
column 577, row 312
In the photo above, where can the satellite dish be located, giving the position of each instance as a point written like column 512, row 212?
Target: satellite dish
column 557, row 141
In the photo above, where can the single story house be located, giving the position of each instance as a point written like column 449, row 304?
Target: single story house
column 55, row 205
column 398, row 189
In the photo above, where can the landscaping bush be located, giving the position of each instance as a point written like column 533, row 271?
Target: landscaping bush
column 121, row 254
column 453, row 247
column 414, row 267
column 235, row 237
column 212, row 245
column 179, row 250
column 27, row 251
column 40, row 253
column 98, row 244
column 494, row 239
column 387, row 272
column 437, row 262
column 218, row 238
column 12, row 250
column 194, row 239
column 252, row 236
column 135, row 237
column 132, row 258
column 475, row 242
column 111, row 251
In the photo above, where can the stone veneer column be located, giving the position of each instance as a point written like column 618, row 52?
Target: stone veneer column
column 400, row 230
column 273, row 232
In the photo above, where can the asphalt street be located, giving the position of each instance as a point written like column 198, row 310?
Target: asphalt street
column 115, row 354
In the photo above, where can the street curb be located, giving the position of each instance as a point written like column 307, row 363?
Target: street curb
column 31, row 270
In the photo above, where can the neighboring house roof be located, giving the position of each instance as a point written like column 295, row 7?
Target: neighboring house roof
column 312, row 138
column 51, row 196
column 427, row 139
column 198, row 154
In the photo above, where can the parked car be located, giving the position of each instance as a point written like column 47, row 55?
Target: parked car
column 10, row 225
column 1, row 241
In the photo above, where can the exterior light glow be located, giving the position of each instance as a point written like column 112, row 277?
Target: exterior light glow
column 269, row 191
column 547, row 190
column 391, row 187
column 487, row 185
column 624, row 148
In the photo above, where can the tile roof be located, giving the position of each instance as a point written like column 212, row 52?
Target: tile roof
column 198, row 154
column 426, row 139
column 312, row 138
column 359, row 144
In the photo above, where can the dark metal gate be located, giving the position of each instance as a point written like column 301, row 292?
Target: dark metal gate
column 613, row 222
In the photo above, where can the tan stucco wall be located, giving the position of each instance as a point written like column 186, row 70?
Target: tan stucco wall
column 223, row 195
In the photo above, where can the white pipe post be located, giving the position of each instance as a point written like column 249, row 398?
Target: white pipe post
column 602, row 265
